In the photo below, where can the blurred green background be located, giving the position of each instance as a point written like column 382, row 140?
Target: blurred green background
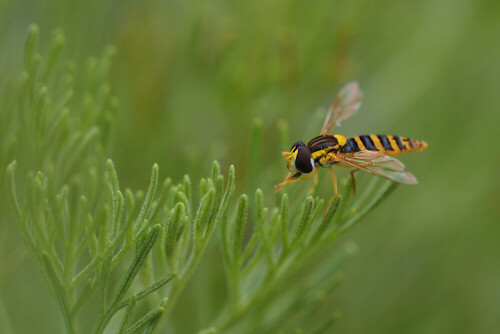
column 191, row 76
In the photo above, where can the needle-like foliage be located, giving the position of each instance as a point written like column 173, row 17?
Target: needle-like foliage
column 119, row 260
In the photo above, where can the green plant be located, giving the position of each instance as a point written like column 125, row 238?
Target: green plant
column 94, row 243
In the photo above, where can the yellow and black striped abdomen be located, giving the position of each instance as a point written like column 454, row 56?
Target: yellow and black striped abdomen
column 389, row 145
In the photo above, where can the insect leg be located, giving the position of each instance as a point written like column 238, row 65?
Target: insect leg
column 353, row 180
column 289, row 179
column 334, row 180
column 295, row 178
column 315, row 174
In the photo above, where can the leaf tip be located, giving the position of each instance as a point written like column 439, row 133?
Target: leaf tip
column 11, row 168
column 155, row 169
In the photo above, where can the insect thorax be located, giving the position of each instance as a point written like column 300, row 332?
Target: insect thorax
column 326, row 142
column 323, row 145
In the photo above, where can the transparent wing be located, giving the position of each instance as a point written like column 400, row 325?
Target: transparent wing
column 344, row 105
column 379, row 164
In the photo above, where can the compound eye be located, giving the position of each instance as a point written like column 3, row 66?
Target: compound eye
column 296, row 145
column 303, row 162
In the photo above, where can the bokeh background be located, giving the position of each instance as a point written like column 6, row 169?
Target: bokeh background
column 191, row 77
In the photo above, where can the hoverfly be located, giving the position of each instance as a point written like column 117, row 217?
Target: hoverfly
column 370, row 153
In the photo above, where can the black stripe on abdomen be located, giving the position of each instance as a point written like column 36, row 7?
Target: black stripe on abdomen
column 410, row 142
column 351, row 146
column 399, row 142
column 368, row 142
column 386, row 144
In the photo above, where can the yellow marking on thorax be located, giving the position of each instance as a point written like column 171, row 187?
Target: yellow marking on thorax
column 341, row 139
column 323, row 152
column 360, row 143
column 328, row 159
column 318, row 154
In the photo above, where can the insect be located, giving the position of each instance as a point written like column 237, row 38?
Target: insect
column 370, row 153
